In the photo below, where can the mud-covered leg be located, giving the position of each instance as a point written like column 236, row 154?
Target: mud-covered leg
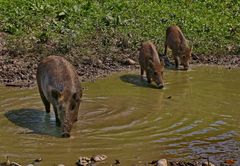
column 148, row 78
column 45, row 102
column 165, row 51
column 176, row 60
column 58, row 123
column 142, row 72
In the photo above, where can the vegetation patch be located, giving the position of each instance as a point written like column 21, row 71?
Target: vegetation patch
column 212, row 26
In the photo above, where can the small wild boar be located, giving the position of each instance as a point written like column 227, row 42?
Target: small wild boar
column 176, row 41
column 59, row 85
column 150, row 63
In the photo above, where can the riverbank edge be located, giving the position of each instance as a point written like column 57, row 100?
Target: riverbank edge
column 17, row 73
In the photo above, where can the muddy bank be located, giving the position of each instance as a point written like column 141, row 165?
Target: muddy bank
column 99, row 56
column 93, row 59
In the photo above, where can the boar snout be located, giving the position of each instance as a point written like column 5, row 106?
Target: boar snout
column 160, row 86
column 66, row 128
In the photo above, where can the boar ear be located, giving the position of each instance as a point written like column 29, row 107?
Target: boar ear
column 56, row 94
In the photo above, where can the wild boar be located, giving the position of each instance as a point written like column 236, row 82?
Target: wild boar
column 150, row 63
column 176, row 41
column 59, row 85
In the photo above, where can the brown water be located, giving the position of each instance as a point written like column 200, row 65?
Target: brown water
column 124, row 118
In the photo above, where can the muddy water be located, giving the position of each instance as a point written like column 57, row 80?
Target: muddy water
column 196, row 114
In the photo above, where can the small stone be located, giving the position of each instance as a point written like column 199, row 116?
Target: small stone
column 161, row 162
column 83, row 161
column 130, row 61
column 15, row 164
column 206, row 163
column 99, row 61
column 169, row 97
column 117, row 162
column 60, row 165
column 98, row 158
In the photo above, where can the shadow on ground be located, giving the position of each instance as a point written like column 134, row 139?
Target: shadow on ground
column 39, row 122
column 137, row 81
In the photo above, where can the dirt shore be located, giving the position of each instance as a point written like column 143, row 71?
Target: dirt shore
column 18, row 66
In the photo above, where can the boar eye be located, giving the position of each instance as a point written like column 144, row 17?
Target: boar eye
column 155, row 73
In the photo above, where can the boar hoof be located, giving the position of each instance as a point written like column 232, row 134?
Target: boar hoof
column 58, row 123
column 65, row 135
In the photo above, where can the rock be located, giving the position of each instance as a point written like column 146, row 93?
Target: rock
column 117, row 162
column 98, row 158
column 161, row 162
column 206, row 163
column 60, row 165
column 86, row 161
column 15, row 164
column 130, row 62
column 99, row 62
column 83, row 161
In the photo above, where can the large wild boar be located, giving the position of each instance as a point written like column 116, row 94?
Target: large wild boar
column 59, row 85
column 176, row 41
column 150, row 63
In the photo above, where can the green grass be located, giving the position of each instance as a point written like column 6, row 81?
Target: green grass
column 211, row 25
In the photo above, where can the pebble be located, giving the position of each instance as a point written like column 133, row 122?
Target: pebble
column 161, row 162
column 98, row 158
column 130, row 62
column 207, row 164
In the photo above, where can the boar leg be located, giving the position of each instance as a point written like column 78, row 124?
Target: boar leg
column 45, row 101
column 148, row 78
column 176, row 60
column 165, row 51
column 142, row 72
column 56, row 116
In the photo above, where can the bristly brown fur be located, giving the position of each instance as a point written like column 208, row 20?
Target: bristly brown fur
column 150, row 63
column 59, row 85
column 176, row 41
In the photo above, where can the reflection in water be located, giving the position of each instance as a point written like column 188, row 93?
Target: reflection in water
column 124, row 117
column 37, row 121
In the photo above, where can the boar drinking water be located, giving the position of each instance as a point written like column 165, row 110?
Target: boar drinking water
column 59, row 85
column 176, row 41
column 151, row 64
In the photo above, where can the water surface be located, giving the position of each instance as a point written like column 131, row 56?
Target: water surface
column 196, row 114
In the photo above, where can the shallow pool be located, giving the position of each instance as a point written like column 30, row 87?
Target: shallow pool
column 196, row 115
